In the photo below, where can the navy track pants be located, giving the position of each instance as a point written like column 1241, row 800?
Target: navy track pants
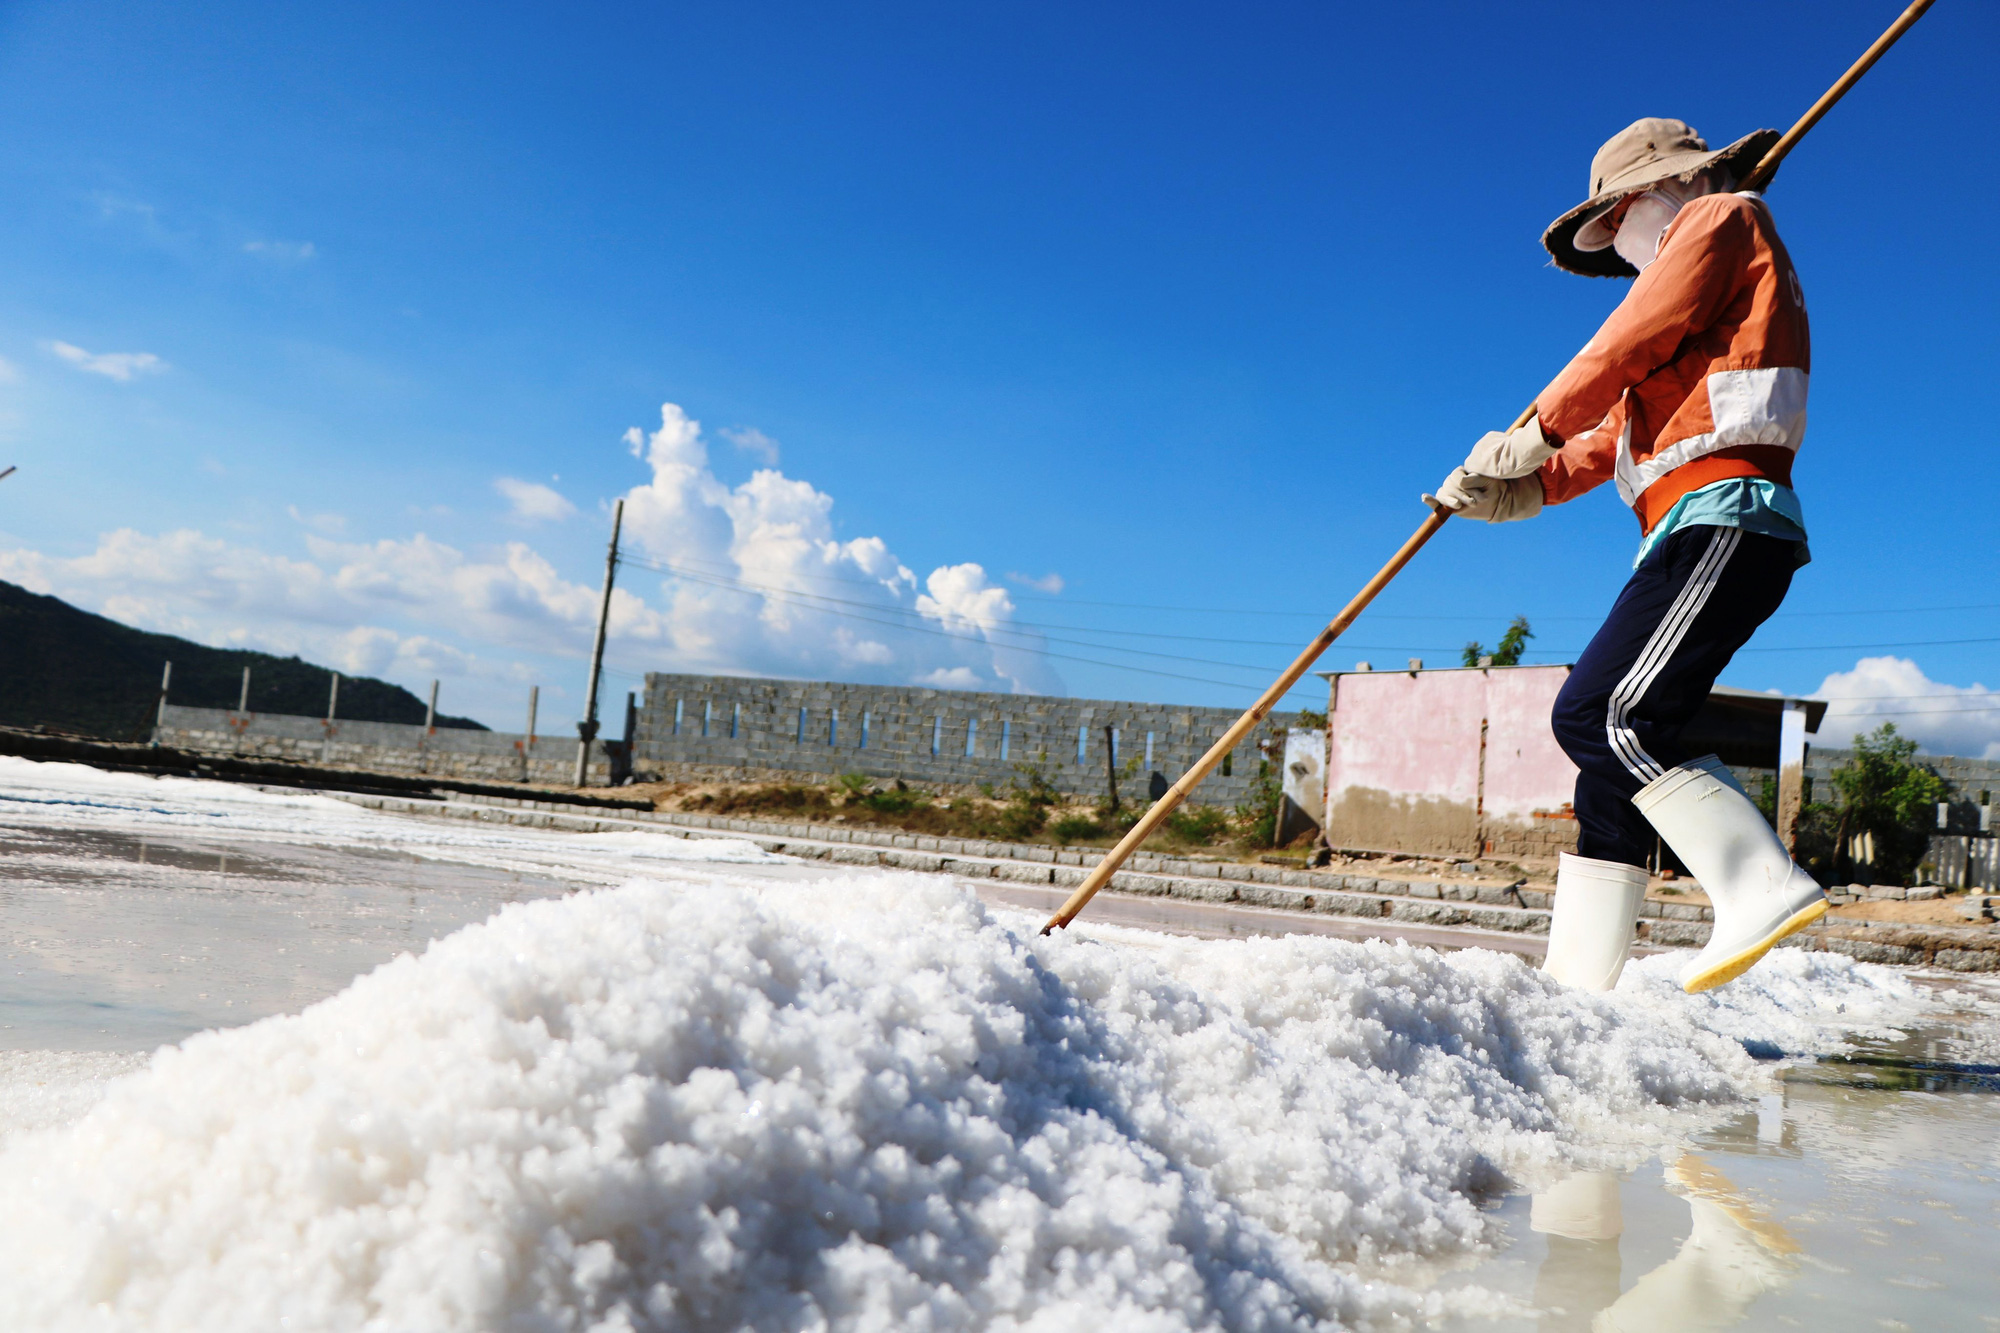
column 1695, row 599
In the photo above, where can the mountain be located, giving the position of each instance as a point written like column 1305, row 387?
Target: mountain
column 68, row 669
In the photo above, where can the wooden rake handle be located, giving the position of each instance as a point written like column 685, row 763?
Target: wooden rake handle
column 1244, row 725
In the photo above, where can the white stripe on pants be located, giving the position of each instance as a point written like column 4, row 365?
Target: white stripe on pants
column 1659, row 650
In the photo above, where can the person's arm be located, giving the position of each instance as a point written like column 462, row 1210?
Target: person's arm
column 1703, row 265
column 1586, row 460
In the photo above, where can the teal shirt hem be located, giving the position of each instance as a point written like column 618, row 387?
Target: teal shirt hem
column 1750, row 503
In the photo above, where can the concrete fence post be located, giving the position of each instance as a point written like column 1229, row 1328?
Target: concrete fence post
column 1791, row 770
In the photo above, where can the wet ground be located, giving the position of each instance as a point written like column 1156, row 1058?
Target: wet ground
column 1865, row 1194
column 115, row 941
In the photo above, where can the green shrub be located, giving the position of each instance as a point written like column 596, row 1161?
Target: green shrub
column 1257, row 816
column 1198, row 825
column 1075, row 828
column 789, row 799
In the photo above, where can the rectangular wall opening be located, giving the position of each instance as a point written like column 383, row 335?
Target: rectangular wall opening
column 971, row 737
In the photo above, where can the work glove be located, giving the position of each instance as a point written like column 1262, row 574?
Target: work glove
column 1511, row 453
column 1495, row 499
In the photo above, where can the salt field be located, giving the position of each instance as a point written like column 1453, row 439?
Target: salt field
column 421, row 1074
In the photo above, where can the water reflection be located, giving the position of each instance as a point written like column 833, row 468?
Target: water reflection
column 1865, row 1194
column 1733, row 1254
column 1583, row 1219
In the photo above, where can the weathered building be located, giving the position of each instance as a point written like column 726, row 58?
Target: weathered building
column 1461, row 761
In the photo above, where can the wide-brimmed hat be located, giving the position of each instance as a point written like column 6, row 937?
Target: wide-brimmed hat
column 1638, row 157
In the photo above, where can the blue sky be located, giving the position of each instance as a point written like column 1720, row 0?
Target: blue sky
column 330, row 329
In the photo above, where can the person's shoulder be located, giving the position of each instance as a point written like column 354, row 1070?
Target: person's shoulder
column 1726, row 218
column 1719, row 208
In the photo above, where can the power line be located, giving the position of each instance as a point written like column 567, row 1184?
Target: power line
column 1851, row 647
column 1045, row 652
column 1322, row 613
column 913, row 624
column 1008, row 634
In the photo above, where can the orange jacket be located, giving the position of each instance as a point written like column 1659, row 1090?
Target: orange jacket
column 1699, row 374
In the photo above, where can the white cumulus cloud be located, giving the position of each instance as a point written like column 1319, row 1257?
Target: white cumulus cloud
column 1944, row 719
column 753, row 442
column 758, row 582
column 1050, row 584
column 532, row 502
column 120, row 366
column 749, row 580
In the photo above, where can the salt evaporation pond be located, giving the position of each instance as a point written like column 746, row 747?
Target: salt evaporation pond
column 642, row 1082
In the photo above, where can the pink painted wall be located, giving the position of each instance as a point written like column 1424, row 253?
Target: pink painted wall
column 1405, row 770
column 1526, row 771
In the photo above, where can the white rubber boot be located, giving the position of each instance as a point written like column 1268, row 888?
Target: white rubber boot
column 1597, row 905
column 1758, row 893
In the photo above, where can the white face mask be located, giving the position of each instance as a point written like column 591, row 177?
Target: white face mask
column 1638, row 238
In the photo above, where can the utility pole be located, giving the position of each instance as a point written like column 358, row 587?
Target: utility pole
column 528, row 739
column 430, row 730
column 166, row 679
column 332, row 709
column 586, row 730
column 243, row 701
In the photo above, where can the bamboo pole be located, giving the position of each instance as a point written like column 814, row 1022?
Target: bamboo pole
column 1244, row 725
column 1766, row 165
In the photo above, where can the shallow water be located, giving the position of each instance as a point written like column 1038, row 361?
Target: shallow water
column 1863, row 1195
column 1861, row 1192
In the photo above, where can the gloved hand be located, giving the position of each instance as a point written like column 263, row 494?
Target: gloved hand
column 1495, row 499
column 1511, row 453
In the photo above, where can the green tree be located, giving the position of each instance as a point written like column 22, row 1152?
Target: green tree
column 1508, row 653
column 1886, row 794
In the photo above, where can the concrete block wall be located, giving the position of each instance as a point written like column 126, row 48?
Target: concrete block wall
column 1968, row 777
column 743, row 729
column 379, row 747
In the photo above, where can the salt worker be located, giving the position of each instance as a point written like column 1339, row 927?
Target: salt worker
column 1691, row 400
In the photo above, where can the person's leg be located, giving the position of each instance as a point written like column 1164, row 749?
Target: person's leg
column 1685, row 611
